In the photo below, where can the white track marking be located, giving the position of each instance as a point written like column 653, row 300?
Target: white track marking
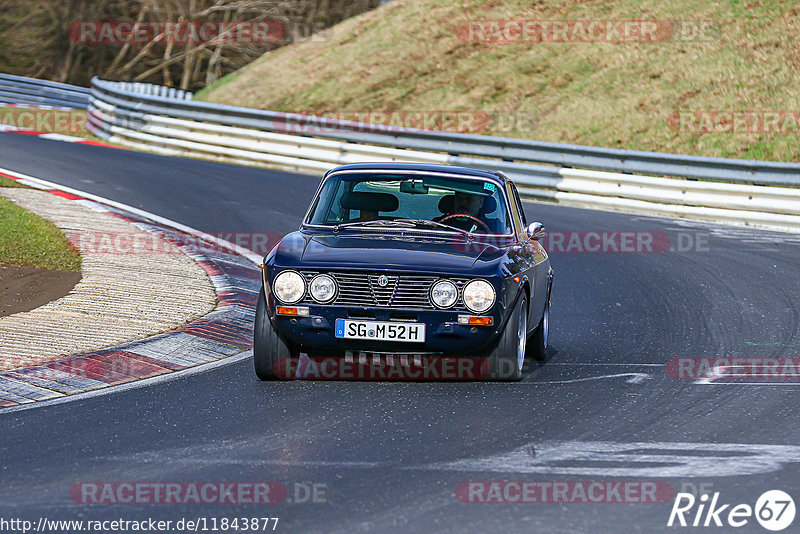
column 643, row 459
column 61, row 137
column 579, row 364
column 713, row 379
column 635, row 378
column 711, row 382
column 646, row 460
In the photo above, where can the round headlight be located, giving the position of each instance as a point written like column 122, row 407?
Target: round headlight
column 322, row 288
column 289, row 287
column 444, row 294
column 479, row 296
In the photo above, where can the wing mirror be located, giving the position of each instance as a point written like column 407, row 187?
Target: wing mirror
column 536, row 230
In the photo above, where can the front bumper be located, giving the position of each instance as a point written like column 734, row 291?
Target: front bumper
column 443, row 334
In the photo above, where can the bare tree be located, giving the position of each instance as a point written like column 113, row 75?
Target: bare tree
column 167, row 55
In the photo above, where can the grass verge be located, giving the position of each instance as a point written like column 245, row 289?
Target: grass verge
column 411, row 55
column 29, row 240
column 8, row 182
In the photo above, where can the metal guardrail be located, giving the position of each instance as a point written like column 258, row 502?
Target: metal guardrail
column 155, row 90
column 168, row 121
column 30, row 91
column 722, row 190
column 464, row 147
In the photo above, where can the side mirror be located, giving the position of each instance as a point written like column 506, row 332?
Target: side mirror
column 536, row 230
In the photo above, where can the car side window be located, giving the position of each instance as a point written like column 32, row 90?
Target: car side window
column 515, row 208
column 521, row 210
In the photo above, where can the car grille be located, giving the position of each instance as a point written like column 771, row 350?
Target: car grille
column 408, row 291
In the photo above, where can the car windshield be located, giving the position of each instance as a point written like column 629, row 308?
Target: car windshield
column 435, row 202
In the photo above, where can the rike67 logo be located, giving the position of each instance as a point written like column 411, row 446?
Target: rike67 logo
column 774, row 510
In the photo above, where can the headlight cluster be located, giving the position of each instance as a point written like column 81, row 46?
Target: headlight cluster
column 444, row 294
column 479, row 295
column 323, row 288
column 290, row 287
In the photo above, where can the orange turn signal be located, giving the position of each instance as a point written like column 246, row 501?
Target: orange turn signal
column 297, row 311
column 474, row 320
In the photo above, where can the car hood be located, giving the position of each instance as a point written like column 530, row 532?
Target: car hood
column 396, row 251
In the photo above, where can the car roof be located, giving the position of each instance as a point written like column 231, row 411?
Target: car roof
column 422, row 167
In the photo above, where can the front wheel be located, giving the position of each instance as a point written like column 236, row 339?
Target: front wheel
column 508, row 357
column 274, row 358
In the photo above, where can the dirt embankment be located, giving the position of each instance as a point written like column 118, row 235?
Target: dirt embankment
column 25, row 288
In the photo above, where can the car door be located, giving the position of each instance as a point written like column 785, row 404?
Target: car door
column 533, row 257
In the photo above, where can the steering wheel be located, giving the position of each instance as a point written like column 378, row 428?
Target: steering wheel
column 469, row 217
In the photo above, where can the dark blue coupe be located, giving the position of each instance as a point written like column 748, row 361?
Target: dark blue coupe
column 408, row 262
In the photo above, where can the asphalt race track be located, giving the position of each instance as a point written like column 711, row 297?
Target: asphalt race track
column 389, row 457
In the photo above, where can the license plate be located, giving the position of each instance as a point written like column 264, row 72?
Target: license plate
column 380, row 331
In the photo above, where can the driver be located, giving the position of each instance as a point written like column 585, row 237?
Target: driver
column 466, row 204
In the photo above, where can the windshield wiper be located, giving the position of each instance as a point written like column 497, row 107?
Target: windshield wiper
column 434, row 224
column 376, row 222
column 403, row 223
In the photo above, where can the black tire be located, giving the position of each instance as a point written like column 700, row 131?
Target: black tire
column 537, row 344
column 504, row 359
column 273, row 357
